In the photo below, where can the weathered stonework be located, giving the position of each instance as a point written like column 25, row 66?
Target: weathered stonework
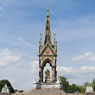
column 49, row 93
column 47, row 54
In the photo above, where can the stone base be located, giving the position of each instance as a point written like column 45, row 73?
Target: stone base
column 47, row 79
column 5, row 93
column 49, row 85
column 90, row 93
column 48, row 92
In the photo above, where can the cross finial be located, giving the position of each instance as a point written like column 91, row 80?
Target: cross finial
column 47, row 5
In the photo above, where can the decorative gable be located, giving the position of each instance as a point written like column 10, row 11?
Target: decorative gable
column 48, row 50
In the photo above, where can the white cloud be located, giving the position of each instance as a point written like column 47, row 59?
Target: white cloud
column 33, row 74
column 92, row 58
column 76, row 70
column 34, row 67
column 21, row 42
column 87, row 69
column 7, row 56
column 13, row 81
column 27, row 84
column 65, row 69
column 16, row 41
column 89, row 55
column 77, row 75
column 79, row 58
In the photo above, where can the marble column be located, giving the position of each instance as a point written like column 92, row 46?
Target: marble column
column 41, row 74
column 53, row 74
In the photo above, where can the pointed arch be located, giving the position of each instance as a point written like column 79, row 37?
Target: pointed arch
column 47, row 61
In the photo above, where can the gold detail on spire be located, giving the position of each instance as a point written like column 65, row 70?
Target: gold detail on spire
column 47, row 31
column 47, row 10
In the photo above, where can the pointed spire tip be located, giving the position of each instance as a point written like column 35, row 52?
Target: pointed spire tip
column 47, row 6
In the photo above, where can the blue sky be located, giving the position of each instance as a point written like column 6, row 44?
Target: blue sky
column 22, row 21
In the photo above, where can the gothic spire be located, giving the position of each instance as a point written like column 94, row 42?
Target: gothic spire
column 47, row 30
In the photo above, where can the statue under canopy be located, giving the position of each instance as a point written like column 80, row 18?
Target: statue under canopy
column 47, row 75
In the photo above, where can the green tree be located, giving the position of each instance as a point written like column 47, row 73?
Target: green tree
column 73, row 88
column 2, row 84
column 65, row 83
column 82, row 89
column 93, row 84
column 21, row 91
column 16, row 90
column 86, row 84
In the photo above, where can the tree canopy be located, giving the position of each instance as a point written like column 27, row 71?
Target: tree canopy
column 2, row 84
column 71, row 88
column 93, row 84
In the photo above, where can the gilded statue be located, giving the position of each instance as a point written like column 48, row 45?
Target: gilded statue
column 47, row 73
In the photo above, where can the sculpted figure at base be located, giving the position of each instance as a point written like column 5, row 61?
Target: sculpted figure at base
column 5, row 90
column 89, row 89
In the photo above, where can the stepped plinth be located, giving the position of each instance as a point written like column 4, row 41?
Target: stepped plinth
column 47, row 85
